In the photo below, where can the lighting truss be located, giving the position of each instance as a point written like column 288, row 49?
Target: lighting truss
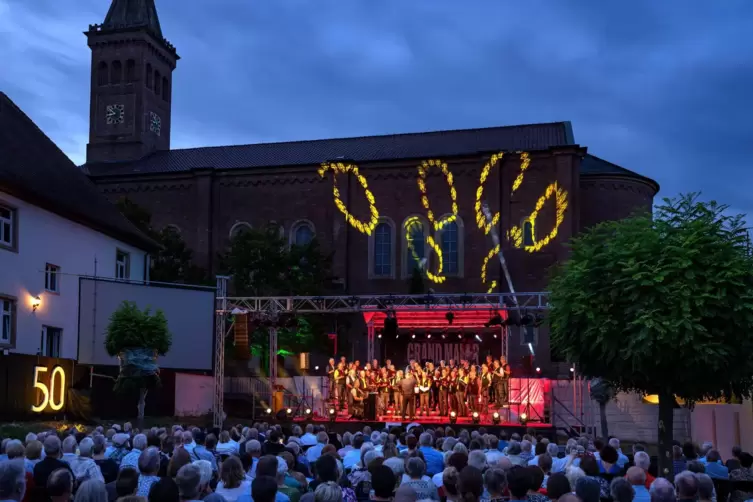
column 375, row 303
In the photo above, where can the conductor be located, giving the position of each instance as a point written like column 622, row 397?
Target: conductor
column 408, row 386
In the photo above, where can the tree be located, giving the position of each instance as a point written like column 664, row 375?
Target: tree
column 137, row 337
column 262, row 264
column 660, row 306
column 602, row 392
column 173, row 262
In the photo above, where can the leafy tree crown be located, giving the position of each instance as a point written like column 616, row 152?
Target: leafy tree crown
column 662, row 304
column 133, row 328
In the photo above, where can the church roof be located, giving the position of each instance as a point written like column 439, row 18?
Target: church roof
column 358, row 149
column 133, row 14
column 593, row 165
column 35, row 170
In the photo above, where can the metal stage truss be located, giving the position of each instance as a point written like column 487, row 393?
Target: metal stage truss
column 271, row 307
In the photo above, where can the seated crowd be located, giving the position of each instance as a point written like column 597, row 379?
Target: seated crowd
column 265, row 463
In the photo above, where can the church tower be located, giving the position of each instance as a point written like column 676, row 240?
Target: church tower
column 131, row 84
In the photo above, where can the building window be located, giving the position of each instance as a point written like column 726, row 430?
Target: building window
column 157, row 83
column 122, row 265
column 414, row 245
column 7, row 227
column 529, row 334
column 116, row 72
column 528, row 233
column 7, row 320
column 383, row 250
column 51, row 278
column 450, row 248
column 130, row 71
column 302, row 233
column 149, row 76
column 239, row 228
column 103, row 77
column 50, row 346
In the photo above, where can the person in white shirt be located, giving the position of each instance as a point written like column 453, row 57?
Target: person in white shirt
column 313, row 453
column 83, row 466
column 69, row 449
column 309, row 439
column 188, row 443
column 226, row 446
column 233, row 482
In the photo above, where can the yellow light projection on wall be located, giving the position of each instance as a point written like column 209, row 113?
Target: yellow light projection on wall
column 410, row 224
column 492, row 253
column 340, row 168
column 516, row 233
column 421, row 180
column 480, row 218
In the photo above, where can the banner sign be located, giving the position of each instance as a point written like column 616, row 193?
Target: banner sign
column 402, row 351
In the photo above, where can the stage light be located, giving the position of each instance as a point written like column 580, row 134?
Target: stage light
column 572, row 369
column 379, row 335
column 478, row 337
column 460, row 337
column 450, row 317
column 289, row 411
column 494, row 320
column 495, row 336
column 332, row 414
column 476, row 418
column 269, row 411
column 316, row 368
column 444, row 336
column 495, row 418
column 413, row 336
column 307, row 413
column 538, row 370
column 453, row 417
column 428, row 335
column 523, row 418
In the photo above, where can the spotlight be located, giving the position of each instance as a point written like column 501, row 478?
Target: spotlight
column 495, row 418
column 494, row 320
column 268, row 411
column 316, row 368
column 332, row 414
column 538, row 370
column 495, row 336
column 572, row 369
column 478, row 337
column 307, row 413
column 444, row 336
column 453, row 417
column 523, row 418
column 460, row 337
column 379, row 335
column 289, row 411
column 450, row 317
column 428, row 335
column 413, row 336
column 475, row 417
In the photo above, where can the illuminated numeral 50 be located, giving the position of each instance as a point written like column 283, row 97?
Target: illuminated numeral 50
column 48, row 394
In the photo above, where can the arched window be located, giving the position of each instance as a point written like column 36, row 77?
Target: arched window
column 528, row 233
column 239, row 228
column 103, row 78
column 450, row 248
column 130, row 71
column 414, row 232
column 382, row 250
column 302, row 233
column 149, row 76
column 116, row 72
column 157, row 83
column 165, row 89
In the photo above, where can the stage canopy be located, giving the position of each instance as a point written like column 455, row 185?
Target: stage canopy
column 436, row 319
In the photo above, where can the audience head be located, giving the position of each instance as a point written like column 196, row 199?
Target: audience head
column 383, row 481
column 557, row 485
column 705, row 487
column 127, row 482
column 470, row 484
column 264, row 489
column 588, row 489
column 621, row 490
column 518, row 482
column 60, row 484
column 495, row 480
column 189, row 482
column 662, row 491
column 91, row 490
column 164, row 490
column 52, row 447
column 686, row 485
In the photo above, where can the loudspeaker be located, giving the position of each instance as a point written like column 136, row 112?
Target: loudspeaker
column 304, row 360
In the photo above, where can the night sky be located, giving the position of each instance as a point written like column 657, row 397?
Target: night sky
column 659, row 87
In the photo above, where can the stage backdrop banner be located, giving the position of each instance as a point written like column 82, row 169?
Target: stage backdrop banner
column 403, row 349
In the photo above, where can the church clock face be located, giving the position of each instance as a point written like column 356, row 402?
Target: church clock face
column 155, row 123
column 115, row 114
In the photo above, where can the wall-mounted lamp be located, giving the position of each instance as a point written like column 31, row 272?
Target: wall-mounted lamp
column 35, row 303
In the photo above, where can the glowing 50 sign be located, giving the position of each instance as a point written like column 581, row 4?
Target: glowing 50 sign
column 515, row 234
column 53, row 394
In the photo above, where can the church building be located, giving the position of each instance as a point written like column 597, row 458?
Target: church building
column 382, row 204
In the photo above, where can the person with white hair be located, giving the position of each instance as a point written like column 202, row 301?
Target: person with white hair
column 642, row 460
column 362, row 474
column 119, row 448
column 526, row 452
column 12, row 481
column 376, row 440
column 253, row 448
column 328, row 492
column 205, row 488
column 425, row 489
column 83, row 466
column 91, row 490
column 514, row 451
column 662, row 491
column 3, row 444
column 53, row 451
column 622, row 459
column 347, row 444
column 149, row 463
column 188, row 442
column 69, row 449
column 30, row 437
column 573, row 474
column 477, row 459
column 132, row 458
column 314, row 452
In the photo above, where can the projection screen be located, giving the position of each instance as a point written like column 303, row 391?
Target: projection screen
column 189, row 312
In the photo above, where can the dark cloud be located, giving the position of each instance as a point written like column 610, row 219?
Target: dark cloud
column 658, row 87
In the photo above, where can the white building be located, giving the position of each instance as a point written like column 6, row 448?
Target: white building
column 54, row 227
